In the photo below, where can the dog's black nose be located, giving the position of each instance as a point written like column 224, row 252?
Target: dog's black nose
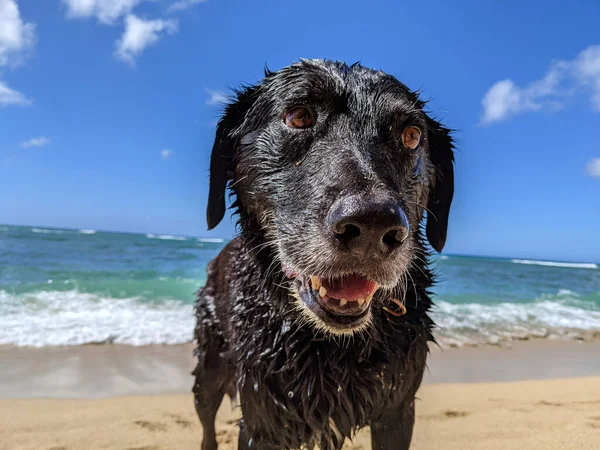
column 362, row 225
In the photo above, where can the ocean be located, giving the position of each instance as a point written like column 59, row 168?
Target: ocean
column 74, row 287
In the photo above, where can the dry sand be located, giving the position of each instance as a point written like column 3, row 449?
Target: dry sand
column 540, row 414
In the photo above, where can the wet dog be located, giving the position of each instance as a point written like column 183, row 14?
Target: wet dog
column 317, row 313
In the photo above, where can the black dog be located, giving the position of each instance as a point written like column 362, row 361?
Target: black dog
column 317, row 312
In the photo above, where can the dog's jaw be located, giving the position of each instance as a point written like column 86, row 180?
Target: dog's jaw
column 338, row 306
column 333, row 312
column 309, row 317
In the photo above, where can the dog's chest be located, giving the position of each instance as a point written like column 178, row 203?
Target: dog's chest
column 311, row 386
column 302, row 391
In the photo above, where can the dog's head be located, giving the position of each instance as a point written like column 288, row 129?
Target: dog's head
column 336, row 166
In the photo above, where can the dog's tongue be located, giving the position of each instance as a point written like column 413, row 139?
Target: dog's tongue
column 350, row 287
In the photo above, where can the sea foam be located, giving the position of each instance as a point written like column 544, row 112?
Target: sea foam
column 558, row 316
column 50, row 318
column 166, row 237
column 47, row 231
column 555, row 264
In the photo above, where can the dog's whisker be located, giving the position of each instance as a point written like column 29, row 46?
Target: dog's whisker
column 259, row 247
column 414, row 288
column 232, row 185
column 422, row 206
column 413, row 265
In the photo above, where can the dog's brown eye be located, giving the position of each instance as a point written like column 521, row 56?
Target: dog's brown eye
column 299, row 117
column 411, row 137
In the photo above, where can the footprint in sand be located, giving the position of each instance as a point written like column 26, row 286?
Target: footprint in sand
column 179, row 420
column 152, row 426
column 547, row 403
column 225, row 437
column 523, row 410
column 448, row 414
column 452, row 414
column 596, row 422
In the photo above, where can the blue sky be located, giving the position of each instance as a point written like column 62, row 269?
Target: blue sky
column 107, row 107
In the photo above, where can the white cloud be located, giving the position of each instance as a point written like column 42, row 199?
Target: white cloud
column 16, row 36
column 587, row 70
column 165, row 153
column 106, row 11
column 182, row 5
column 593, row 168
column 35, row 142
column 9, row 96
column 140, row 34
column 551, row 92
column 216, row 97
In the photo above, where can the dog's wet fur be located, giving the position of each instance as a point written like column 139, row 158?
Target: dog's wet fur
column 327, row 184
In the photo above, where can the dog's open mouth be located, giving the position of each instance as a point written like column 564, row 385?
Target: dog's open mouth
column 342, row 303
column 347, row 295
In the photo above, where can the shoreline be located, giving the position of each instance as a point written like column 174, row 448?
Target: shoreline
column 539, row 394
column 115, row 370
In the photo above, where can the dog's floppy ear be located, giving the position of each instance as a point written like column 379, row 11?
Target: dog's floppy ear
column 441, row 154
column 223, row 153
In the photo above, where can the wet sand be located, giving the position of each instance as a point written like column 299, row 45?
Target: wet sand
column 138, row 398
column 95, row 371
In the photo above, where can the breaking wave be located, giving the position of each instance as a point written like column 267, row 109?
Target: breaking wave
column 166, row 237
column 555, row 264
column 50, row 318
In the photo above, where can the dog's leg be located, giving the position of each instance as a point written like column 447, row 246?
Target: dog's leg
column 207, row 403
column 394, row 431
column 243, row 443
column 209, row 389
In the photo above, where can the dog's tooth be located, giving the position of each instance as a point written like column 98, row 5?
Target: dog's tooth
column 370, row 297
column 343, row 302
column 316, row 282
column 322, row 291
column 361, row 301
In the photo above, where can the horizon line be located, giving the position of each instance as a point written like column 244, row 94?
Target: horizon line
column 228, row 238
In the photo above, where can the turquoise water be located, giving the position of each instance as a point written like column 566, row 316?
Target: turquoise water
column 62, row 287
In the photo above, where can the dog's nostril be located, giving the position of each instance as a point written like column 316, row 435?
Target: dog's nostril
column 393, row 238
column 390, row 239
column 346, row 232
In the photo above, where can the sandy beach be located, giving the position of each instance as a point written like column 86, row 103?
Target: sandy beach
column 537, row 395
